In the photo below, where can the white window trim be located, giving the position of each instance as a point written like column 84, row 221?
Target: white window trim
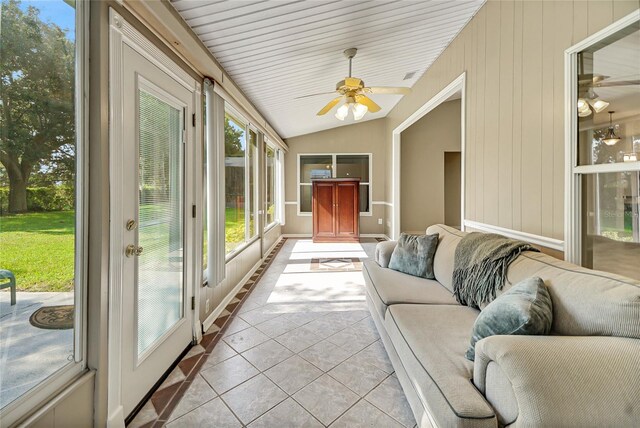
column 573, row 172
column 72, row 371
column 333, row 174
column 276, row 184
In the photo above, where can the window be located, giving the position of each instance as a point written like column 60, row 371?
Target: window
column 235, row 170
column 252, row 206
column 606, row 173
column 41, row 199
column 270, row 184
column 334, row 166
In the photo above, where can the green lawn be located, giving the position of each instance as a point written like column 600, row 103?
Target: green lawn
column 38, row 249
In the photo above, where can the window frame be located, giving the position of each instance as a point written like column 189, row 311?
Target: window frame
column 333, row 175
column 276, row 156
column 573, row 226
column 73, row 370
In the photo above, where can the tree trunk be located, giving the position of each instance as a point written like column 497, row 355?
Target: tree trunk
column 17, row 191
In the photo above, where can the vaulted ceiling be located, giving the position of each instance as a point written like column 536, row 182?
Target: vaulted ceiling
column 279, row 50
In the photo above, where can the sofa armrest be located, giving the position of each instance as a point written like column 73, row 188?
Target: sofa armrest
column 383, row 253
column 560, row 380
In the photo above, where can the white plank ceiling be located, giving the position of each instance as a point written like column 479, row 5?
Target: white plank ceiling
column 279, row 50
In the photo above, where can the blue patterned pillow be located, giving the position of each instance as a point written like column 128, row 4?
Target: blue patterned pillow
column 524, row 309
column 414, row 255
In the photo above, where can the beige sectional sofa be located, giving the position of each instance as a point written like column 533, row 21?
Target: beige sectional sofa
column 586, row 373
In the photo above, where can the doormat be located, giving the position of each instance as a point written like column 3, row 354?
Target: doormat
column 349, row 264
column 53, row 317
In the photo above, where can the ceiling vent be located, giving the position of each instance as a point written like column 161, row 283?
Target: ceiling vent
column 409, row 75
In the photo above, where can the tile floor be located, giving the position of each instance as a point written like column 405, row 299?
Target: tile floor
column 300, row 351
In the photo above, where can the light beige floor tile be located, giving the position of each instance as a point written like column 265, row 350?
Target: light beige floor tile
column 211, row 414
column 389, row 397
column 267, row 355
column 253, row 398
column 237, row 324
column 375, row 355
column 293, row 374
column 325, row 398
column 325, row 355
column 352, row 340
column 229, row 373
column 286, row 414
column 364, row 414
column 199, row 392
column 258, row 316
column 360, row 378
column 220, row 352
column 298, row 339
column 276, row 326
column 245, row 339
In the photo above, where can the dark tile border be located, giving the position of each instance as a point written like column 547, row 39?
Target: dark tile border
column 166, row 399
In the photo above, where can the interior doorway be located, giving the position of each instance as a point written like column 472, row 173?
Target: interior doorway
column 429, row 164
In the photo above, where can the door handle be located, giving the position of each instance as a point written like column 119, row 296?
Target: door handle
column 132, row 250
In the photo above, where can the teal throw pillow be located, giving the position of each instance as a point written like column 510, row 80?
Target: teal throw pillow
column 524, row 309
column 414, row 255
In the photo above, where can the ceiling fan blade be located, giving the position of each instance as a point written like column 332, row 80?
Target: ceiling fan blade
column 605, row 84
column 329, row 106
column 372, row 106
column 353, row 82
column 314, row 95
column 388, row 90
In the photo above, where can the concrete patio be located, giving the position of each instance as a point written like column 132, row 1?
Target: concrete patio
column 28, row 354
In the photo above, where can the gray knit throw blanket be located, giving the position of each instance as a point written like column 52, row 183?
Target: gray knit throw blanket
column 480, row 266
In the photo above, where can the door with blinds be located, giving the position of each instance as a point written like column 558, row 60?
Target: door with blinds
column 156, row 299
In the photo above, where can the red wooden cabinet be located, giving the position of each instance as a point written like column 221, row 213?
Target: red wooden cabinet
column 336, row 210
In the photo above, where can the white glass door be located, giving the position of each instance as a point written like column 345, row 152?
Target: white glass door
column 157, row 321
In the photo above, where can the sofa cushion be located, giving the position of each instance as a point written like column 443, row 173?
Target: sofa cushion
column 445, row 254
column 430, row 341
column 387, row 287
column 525, row 309
column 414, row 255
column 585, row 302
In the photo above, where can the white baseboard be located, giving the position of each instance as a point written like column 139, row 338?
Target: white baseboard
column 543, row 241
column 372, row 235
column 297, row 235
column 206, row 324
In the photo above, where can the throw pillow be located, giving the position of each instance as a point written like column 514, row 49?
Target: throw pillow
column 524, row 309
column 414, row 255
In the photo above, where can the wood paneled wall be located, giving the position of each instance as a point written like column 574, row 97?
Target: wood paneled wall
column 513, row 54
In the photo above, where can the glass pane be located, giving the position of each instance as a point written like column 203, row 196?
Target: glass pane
column 312, row 166
column 353, row 166
column 234, row 167
column 205, row 217
column 270, row 182
column 608, row 76
column 611, row 237
column 37, row 193
column 305, row 198
column 364, row 198
column 160, row 291
column 253, row 183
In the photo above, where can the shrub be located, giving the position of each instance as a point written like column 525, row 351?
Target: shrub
column 54, row 198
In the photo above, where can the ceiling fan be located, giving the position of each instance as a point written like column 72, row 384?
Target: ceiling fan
column 354, row 93
column 588, row 101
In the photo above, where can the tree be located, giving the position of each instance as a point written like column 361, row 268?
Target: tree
column 232, row 139
column 37, row 96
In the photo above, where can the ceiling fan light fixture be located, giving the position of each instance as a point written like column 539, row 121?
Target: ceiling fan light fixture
column 359, row 110
column 342, row 111
column 583, row 108
column 599, row 105
column 610, row 138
